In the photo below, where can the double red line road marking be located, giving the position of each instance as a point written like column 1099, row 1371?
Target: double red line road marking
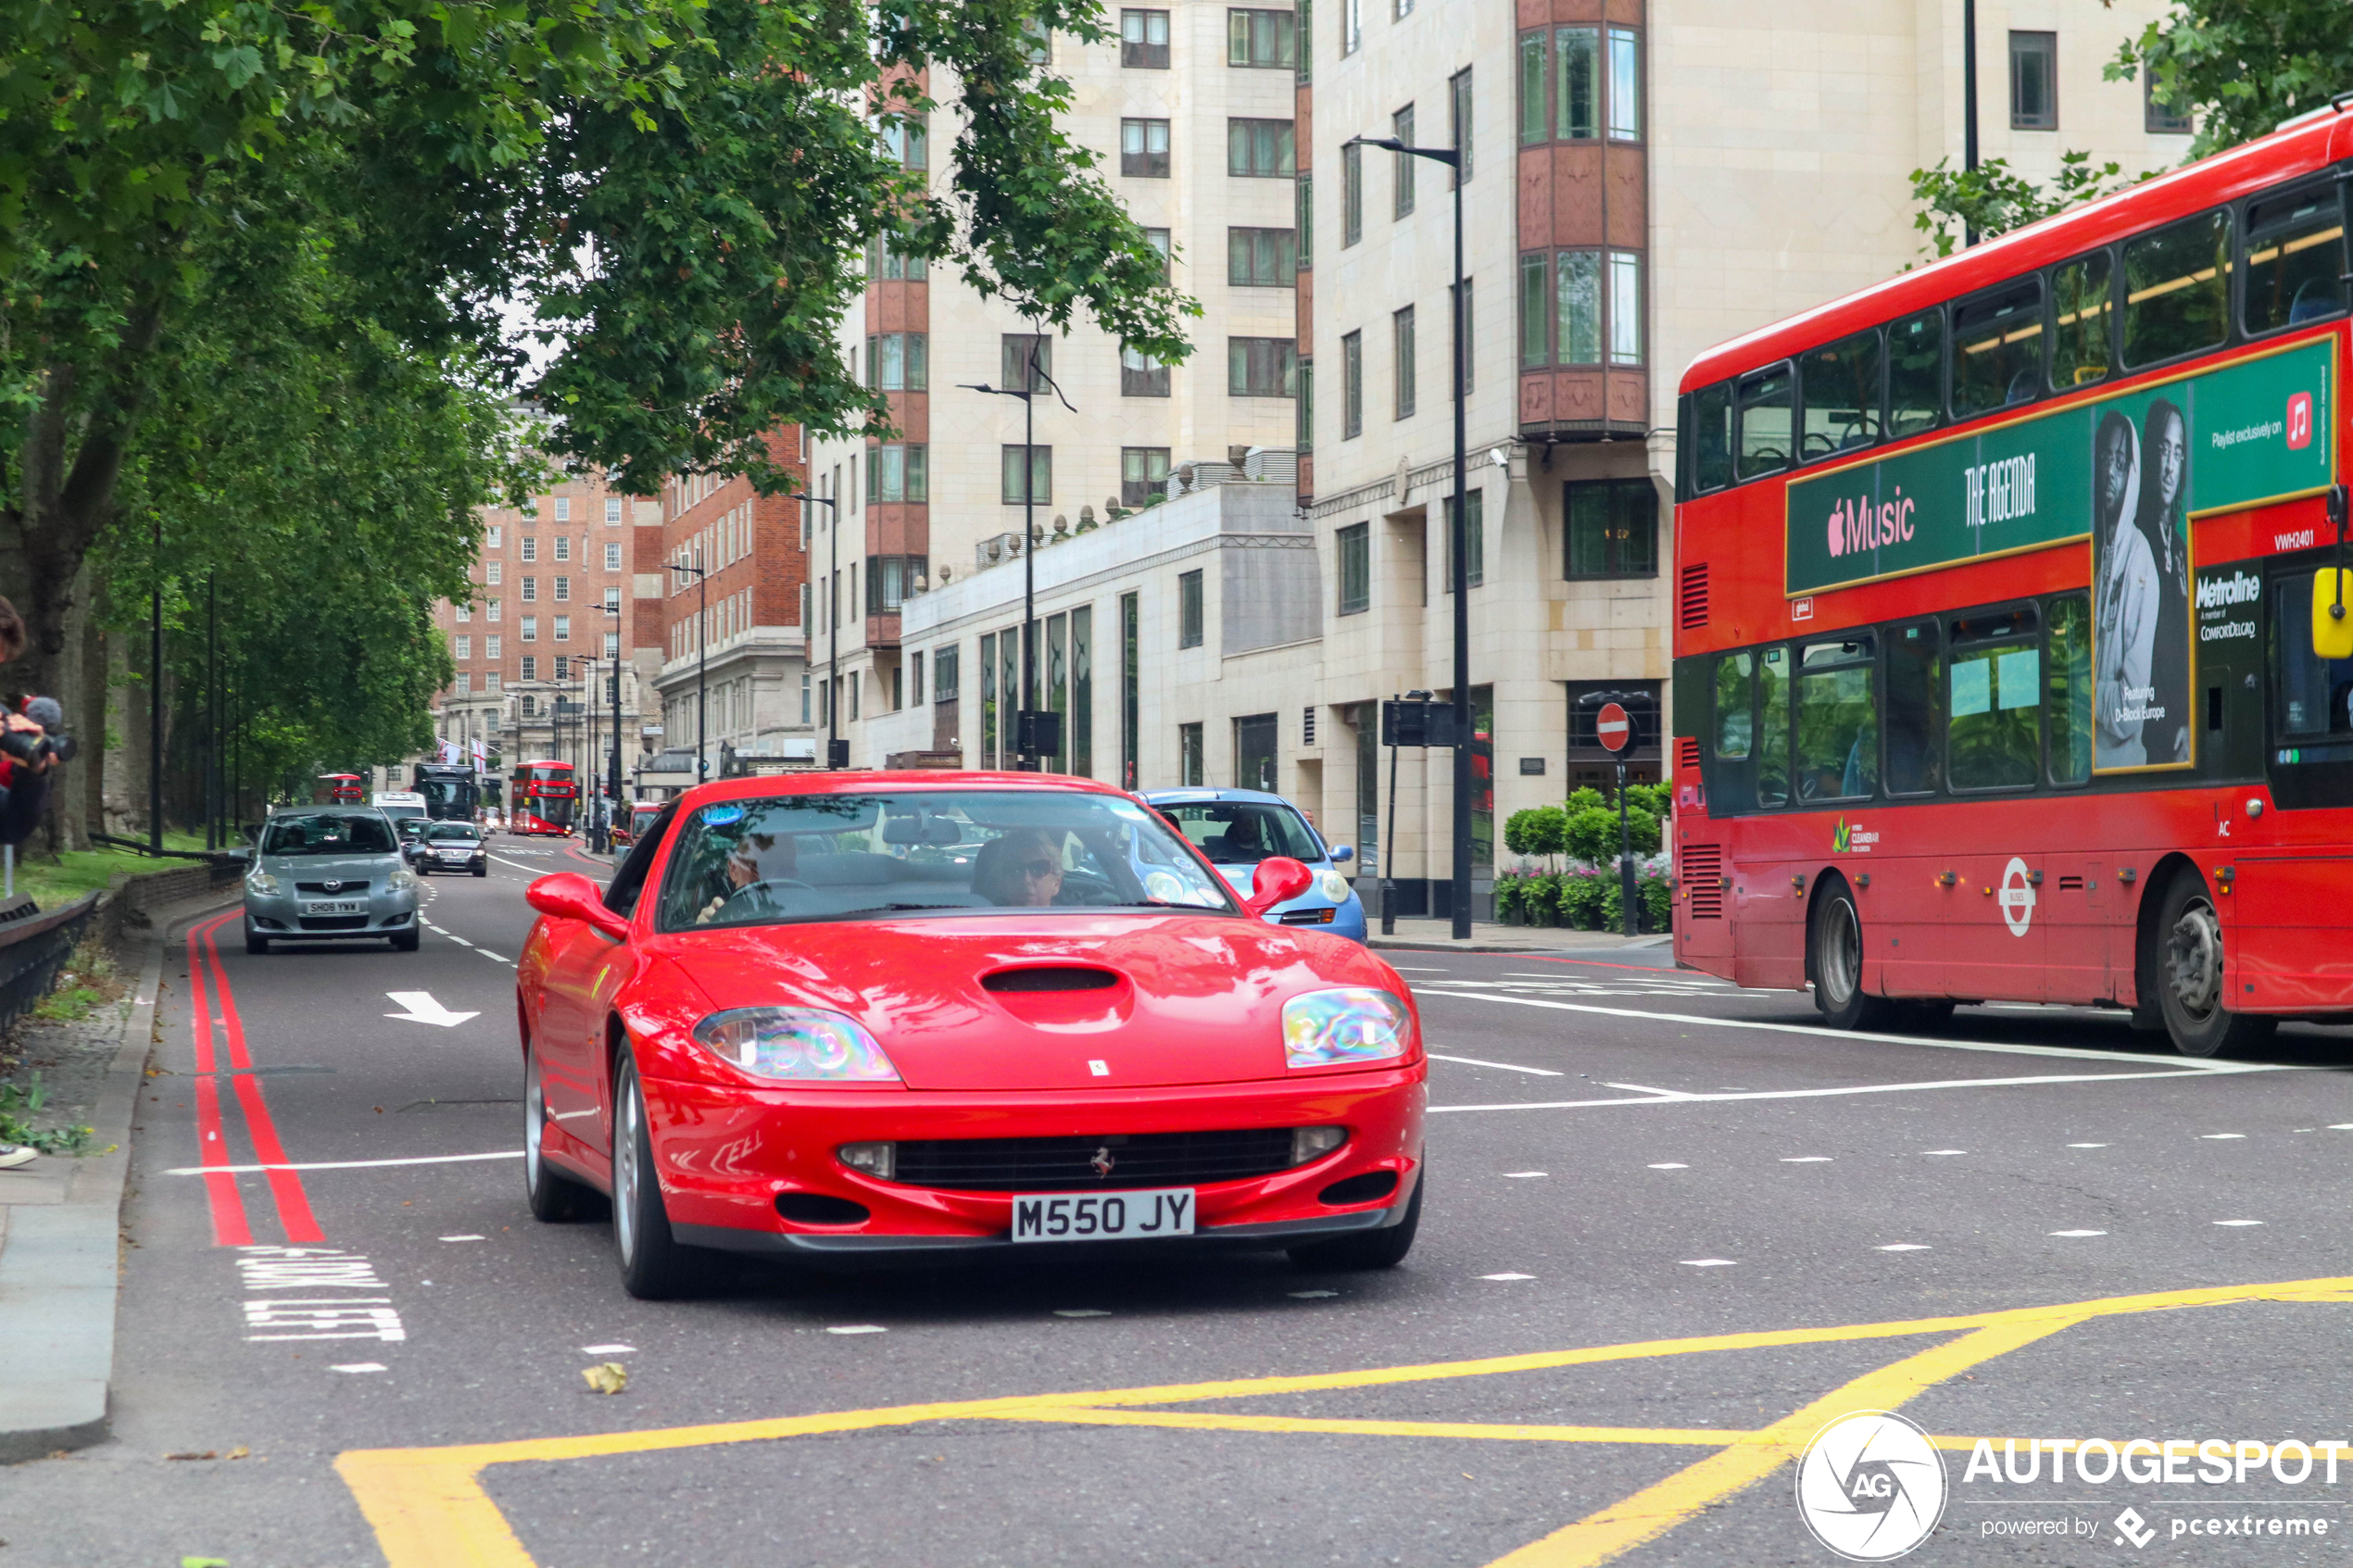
column 229, row 1225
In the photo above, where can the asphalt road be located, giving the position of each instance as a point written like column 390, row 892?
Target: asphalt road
column 1623, row 1155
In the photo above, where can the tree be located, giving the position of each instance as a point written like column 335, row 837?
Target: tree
column 2241, row 65
column 1993, row 198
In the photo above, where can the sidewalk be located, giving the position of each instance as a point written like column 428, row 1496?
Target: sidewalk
column 60, row 1244
column 1487, row 937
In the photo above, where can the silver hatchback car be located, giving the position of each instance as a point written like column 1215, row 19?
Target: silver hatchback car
column 326, row 873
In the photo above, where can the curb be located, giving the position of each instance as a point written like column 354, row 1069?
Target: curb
column 1439, row 945
column 61, row 1266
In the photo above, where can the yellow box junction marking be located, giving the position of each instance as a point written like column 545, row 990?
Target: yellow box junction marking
column 429, row 1509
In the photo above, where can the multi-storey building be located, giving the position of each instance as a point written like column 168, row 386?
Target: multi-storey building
column 566, row 590
column 733, row 579
column 1191, row 107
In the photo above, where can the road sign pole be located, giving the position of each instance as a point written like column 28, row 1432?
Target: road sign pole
column 1626, row 857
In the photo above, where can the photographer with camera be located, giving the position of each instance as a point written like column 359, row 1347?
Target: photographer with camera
column 27, row 751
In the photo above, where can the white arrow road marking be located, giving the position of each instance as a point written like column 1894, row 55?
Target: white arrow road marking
column 421, row 1009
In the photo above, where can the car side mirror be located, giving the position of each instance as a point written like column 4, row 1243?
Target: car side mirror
column 570, row 895
column 1343, row 854
column 1279, row 878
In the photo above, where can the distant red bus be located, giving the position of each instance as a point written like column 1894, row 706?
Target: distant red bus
column 2004, row 666
column 542, row 797
column 338, row 789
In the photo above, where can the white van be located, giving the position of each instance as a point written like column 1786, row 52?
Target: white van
column 399, row 803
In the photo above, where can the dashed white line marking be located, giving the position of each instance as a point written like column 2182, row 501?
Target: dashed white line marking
column 462, row 1238
column 1523, row 1175
column 1937, row 1152
column 1670, row 1165
column 2222, row 1134
column 2239, row 1221
column 1080, row 1312
column 1907, row 1247
column 492, row 957
column 2341, row 1127
column 1646, row 1089
column 2078, row 1233
column 609, row 1349
column 2087, row 1145
column 1806, row 1158
column 1507, row 1277
column 858, row 1328
column 1506, row 1066
column 1311, row 1294
column 361, row 1366
column 1710, row 1262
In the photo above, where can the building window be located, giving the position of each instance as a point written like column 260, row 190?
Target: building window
column 891, row 266
column 1401, row 125
column 1081, row 738
column 1459, row 122
column 492, row 572
column 898, row 472
column 899, row 362
column 563, row 668
column 1578, row 284
column 1158, row 240
column 612, row 508
column 1143, row 475
column 489, row 682
column 563, row 628
column 1625, row 307
column 1143, row 148
column 465, row 612
column 1351, row 386
column 564, row 547
column 906, row 140
column 490, row 647
column 1303, row 215
column 530, row 672
column 613, row 598
column 944, row 663
column 564, row 509
column 2034, row 81
column 530, row 547
column 1130, row 686
column 491, row 610
column 465, row 649
column 1025, row 361
column 563, row 588
column 1351, row 26
column 462, row 685
column 1625, row 85
column 1190, row 617
column 1610, row 527
column 612, row 645
column 1352, row 194
column 1259, row 149
column 1141, row 375
column 1267, row 258
column 1188, row 758
column 1143, row 39
column 1304, row 432
column 1266, row 39
column 1474, row 539
column 529, row 628
column 530, row 589
column 1040, row 486
column 612, row 557
column 490, row 540
column 2157, row 119
column 1262, row 367
column 886, row 581
column 1402, row 337
column 1353, row 548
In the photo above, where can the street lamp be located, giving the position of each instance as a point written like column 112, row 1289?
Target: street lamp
column 1458, row 536
column 1024, row 724
column 833, row 634
column 703, row 664
column 612, row 787
column 588, row 752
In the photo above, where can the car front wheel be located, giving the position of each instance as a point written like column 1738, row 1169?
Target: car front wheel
column 653, row 1266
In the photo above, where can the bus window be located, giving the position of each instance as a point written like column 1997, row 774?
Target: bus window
column 1994, row 702
column 2316, row 694
column 1837, row 721
column 1735, row 704
column 1913, row 670
column 1712, row 436
column 1773, row 728
column 1916, row 373
column 1765, row 422
column 2082, row 306
column 1997, row 350
column 2068, row 698
column 1840, row 386
column 2177, row 285
column 2294, row 252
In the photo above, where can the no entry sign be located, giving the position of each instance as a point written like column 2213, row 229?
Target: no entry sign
column 1613, row 728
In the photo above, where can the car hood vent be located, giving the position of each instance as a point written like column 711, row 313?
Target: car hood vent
column 1051, row 977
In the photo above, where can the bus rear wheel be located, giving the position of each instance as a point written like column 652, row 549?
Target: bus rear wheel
column 2186, row 967
column 1834, row 962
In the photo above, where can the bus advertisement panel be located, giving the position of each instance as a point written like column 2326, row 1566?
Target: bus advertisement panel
column 2004, row 661
column 544, row 798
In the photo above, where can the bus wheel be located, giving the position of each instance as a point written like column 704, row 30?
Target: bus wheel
column 2188, row 969
column 1834, row 959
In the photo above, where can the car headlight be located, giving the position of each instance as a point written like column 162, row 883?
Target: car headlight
column 1352, row 1024
column 799, row 1044
column 1336, row 887
column 402, row 879
column 261, row 882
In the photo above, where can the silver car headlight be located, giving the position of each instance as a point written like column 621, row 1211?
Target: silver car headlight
column 1348, row 1024
column 262, row 884
column 802, row 1045
column 402, row 879
column 1335, row 888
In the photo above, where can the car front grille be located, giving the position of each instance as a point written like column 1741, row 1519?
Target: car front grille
column 1137, row 1160
column 334, row 922
column 340, row 890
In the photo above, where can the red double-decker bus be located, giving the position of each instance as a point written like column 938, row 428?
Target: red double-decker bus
column 2007, row 664
column 338, row 789
column 542, row 798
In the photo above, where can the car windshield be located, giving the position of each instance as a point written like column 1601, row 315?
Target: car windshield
column 1240, row 833
column 453, row 833
column 848, row 856
column 319, row 833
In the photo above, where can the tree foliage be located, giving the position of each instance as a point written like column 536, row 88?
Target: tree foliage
column 2241, row 66
column 1994, row 199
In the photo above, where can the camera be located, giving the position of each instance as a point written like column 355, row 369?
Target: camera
column 47, row 712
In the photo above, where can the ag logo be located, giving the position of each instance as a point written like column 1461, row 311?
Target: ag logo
column 2017, row 897
column 1872, row 1487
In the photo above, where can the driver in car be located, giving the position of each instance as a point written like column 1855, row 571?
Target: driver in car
column 1022, row 870
column 760, row 857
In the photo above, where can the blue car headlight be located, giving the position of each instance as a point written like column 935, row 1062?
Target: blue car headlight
column 1323, row 1028
column 802, row 1045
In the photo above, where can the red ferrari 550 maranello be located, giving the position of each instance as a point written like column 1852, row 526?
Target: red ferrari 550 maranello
column 859, row 1016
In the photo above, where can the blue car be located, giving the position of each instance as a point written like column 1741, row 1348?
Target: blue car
column 1238, row 828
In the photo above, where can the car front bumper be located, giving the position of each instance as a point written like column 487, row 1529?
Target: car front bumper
column 389, row 910
column 726, row 1156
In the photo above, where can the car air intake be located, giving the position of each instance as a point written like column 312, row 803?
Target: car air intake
column 1084, row 1164
column 1051, row 977
column 1366, row 1188
column 819, row 1209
